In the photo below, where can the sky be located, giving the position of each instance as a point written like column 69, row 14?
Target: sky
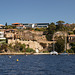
column 37, row 11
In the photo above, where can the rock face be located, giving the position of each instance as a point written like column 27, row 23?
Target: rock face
column 31, row 44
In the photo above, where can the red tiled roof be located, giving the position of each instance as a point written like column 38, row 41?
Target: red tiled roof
column 16, row 23
column 1, row 25
column 66, row 24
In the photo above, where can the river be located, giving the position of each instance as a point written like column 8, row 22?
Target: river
column 37, row 65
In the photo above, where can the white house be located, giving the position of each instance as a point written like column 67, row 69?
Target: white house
column 2, row 38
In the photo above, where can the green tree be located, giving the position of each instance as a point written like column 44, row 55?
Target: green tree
column 73, row 46
column 6, row 24
column 60, row 22
column 19, row 47
column 74, row 31
column 51, row 28
column 4, row 47
column 60, row 25
column 59, row 45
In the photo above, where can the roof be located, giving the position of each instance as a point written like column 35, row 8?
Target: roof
column 16, row 23
column 1, row 25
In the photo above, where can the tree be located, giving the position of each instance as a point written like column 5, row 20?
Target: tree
column 6, row 24
column 51, row 28
column 60, row 22
column 73, row 46
column 19, row 47
column 60, row 25
column 4, row 47
column 74, row 31
column 59, row 45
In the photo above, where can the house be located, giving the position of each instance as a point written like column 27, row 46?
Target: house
column 15, row 24
column 1, row 26
column 9, row 33
column 71, row 38
column 41, row 25
column 67, row 25
column 2, row 38
column 30, row 25
column 35, row 25
column 20, row 27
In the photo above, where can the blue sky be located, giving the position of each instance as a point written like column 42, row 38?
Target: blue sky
column 37, row 11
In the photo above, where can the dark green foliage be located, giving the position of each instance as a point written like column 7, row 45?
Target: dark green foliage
column 74, row 31
column 9, row 27
column 6, row 24
column 59, row 45
column 19, row 47
column 51, row 28
column 3, row 46
column 22, row 47
column 43, row 45
column 60, row 26
column 60, row 22
column 45, row 51
column 70, row 32
column 49, row 37
column 40, row 29
column 73, row 46
column 30, row 50
column 70, row 51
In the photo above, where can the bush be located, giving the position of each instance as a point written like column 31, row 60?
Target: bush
column 45, row 51
column 71, row 32
column 74, row 31
column 43, row 45
column 30, row 50
column 70, row 51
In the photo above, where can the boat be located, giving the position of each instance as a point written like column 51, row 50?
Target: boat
column 53, row 52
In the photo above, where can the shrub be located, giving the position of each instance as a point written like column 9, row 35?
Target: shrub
column 70, row 51
column 45, row 51
column 43, row 45
column 30, row 50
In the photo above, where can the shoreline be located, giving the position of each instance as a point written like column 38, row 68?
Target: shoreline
column 29, row 53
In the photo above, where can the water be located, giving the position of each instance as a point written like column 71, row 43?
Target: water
column 37, row 65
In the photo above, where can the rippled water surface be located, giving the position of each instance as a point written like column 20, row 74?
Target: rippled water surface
column 37, row 65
